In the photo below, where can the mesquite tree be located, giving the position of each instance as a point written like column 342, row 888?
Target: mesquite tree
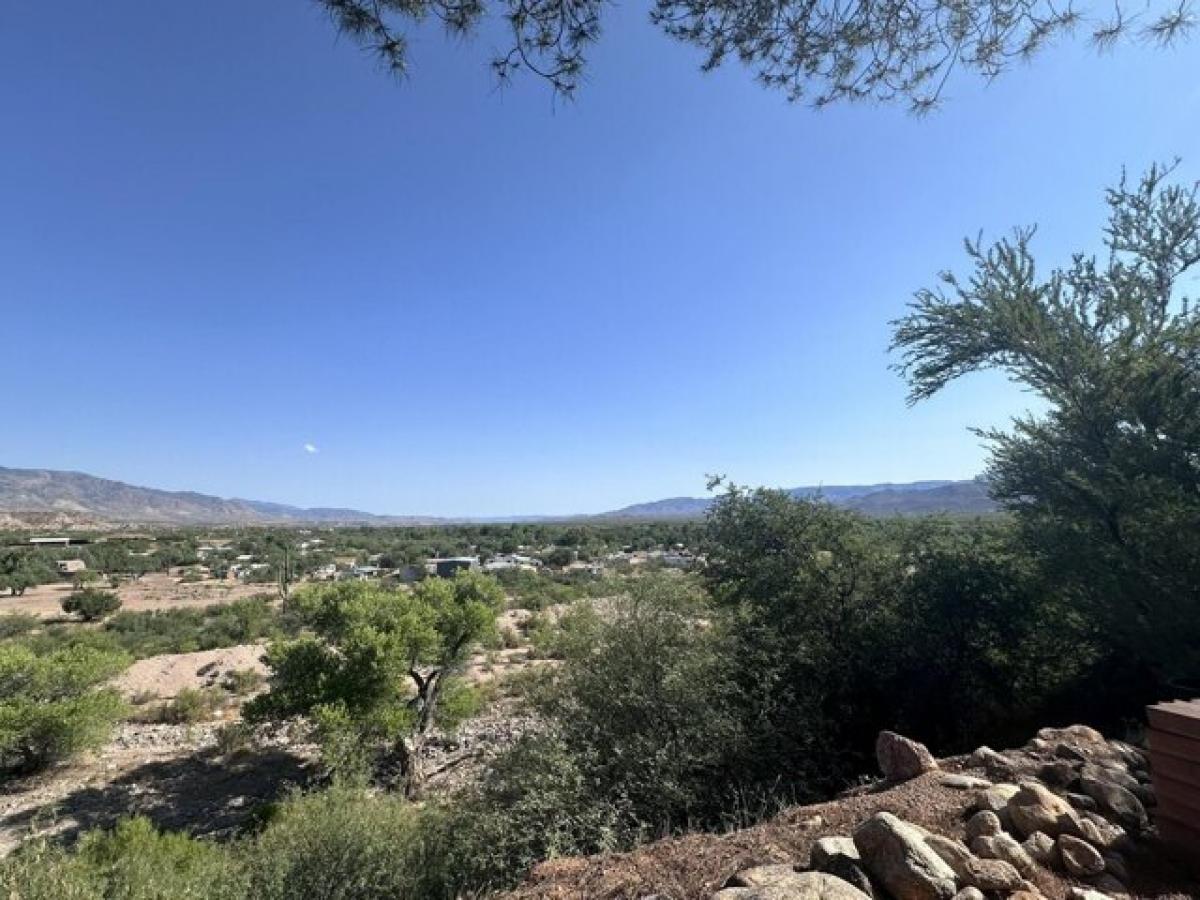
column 380, row 661
column 1106, row 482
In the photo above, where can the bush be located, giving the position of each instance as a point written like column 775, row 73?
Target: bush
column 131, row 862
column 91, row 604
column 17, row 624
column 54, row 705
column 191, row 706
column 342, row 845
column 243, row 681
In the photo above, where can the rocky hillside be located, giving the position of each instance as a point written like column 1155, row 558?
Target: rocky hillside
column 1069, row 816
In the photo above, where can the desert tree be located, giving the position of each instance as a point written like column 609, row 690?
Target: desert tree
column 1106, row 481
column 820, row 50
column 380, row 665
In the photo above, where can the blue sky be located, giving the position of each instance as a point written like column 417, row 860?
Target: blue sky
column 224, row 235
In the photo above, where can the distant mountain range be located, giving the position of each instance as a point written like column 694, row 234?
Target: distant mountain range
column 75, row 496
column 913, row 498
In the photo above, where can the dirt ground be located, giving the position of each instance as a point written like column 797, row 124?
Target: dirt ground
column 154, row 591
column 163, row 677
column 172, row 774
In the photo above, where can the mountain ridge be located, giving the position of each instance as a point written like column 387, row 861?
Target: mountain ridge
column 67, row 493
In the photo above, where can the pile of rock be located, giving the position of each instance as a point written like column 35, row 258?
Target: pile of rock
column 1069, row 802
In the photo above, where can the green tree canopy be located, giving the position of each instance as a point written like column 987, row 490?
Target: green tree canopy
column 380, row 662
column 1107, row 481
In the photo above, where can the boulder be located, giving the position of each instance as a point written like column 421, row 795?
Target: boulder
column 996, row 764
column 1118, row 776
column 827, row 848
column 963, row 782
column 1114, row 864
column 902, row 758
column 995, row 799
column 1080, row 801
column 1036, row 808
column 969, row 893
column 1079, row 857
column 1005, row 847
column 1117, row 802
column 1042, row 849
column 761, row 876
column 954, row 853
column 992, row 875
column 1061, row 774
column 983, row 824
column 1078, row 893
column 895, row 855
column 794, row 886
column 1100, row 832
column 851, row 872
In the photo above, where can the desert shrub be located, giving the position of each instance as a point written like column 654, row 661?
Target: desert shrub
column 131, row 862
column 341, row 844
column 537, row 800
column 243, row 681
column 190, row 706
column 162, row 631
column 234, row 738
column 54, row 705
column 91, row 604
column 17, row 624
column 134, row 861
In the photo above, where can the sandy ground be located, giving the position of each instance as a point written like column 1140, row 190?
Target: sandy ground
column 163, row 677
column 155, row 591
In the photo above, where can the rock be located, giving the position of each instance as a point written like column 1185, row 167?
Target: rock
column 1073, row 734
column 1114, row 775
column 1114, row 864
column 1145, row 793
column 901, row 758
column 851, row 872
column 996, row 764
column 1110, row 885
column 761, row 876
column 1069, row 751
column 895, row 854
column 794, row 886
column 1026, row 894
column 1042, row 849
column 1133, row 758
column 1035, row 808
column 1079, row 857
column 963, row 782
column 983, row 824
column 1005, row 847
column 954, row 853
column 992, row 875
column 995, row 799
column 1061, row 774
column 1117, row 802
column 1078, row 893
column 827, row 848
column 1080, row 801
column 1100, row 832
column 969, row 893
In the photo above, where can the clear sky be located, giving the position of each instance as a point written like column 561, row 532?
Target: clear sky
column 225, row 235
